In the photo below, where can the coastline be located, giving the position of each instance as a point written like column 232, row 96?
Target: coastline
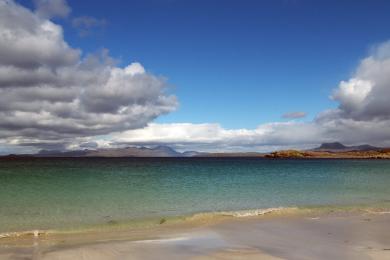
column 215, row 235
column 297, row 154
column 194, row 219
column 151, row 223
column 295, row 233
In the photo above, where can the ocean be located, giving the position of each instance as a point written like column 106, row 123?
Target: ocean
column 76, row 193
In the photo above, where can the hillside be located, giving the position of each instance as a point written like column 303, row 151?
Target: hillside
column 158, row 151
column 339, row 147
column 295, row 154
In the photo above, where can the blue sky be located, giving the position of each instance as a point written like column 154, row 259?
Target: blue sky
column 232, row 69
column 242, row 63
column 238, row 63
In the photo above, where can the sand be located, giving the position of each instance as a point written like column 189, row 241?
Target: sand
column 327, row 236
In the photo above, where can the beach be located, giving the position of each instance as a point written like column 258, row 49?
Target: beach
column 309, row 235
column 194, row 208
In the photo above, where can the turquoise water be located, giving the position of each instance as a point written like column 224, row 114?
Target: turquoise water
column 69, row 193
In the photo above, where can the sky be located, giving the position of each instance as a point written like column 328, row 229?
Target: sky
column 195, row 75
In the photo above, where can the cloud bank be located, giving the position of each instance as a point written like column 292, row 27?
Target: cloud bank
column 49, row 93
column 213, row 137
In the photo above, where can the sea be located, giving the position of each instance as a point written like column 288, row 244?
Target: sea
column 82, row 193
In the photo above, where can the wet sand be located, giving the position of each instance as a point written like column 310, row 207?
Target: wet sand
column 326, row 236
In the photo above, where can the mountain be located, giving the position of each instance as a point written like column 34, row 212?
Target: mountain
column 158, row 151
column 325, row 150
column 191, row 154
column 339, row 147
column 55, row 153
column 231, row 154
column 331, row 146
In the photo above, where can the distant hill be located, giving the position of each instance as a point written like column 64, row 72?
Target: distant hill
column 55, row 153
column 325, row 150
column 339, row 147
column 158, row 151
column 296, row 154
column 334, row 150
column 191, row 154
column 231, row 154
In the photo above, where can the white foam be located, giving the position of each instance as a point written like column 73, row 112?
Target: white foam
column 252, row 212
column 163, row 240
column 34, row 233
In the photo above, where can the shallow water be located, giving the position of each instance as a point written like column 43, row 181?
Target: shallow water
column 48, row 193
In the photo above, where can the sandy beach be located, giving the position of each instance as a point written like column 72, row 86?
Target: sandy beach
column 331, row 235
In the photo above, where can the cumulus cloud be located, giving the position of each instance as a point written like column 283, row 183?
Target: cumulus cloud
column 366, row 95
column 87, row 24
column 294, row 115
column 30, row 45
column 363, row 114
column 48, row 93
column 52, row 8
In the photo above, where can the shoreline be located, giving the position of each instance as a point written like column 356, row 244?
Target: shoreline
column 197, row 218
column 146, row 223
column 223, row 237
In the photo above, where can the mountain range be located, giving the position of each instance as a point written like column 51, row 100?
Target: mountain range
column 324, row 150
column 158, row 151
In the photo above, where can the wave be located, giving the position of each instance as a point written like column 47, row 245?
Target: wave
column 32, row 233
column 244, row 213
column 201, row 217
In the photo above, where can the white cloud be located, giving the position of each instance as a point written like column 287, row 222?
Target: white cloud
column 87, row 24
column 294, row 115
column 52, row 8
column 352, row 93
column 213, row 137
column 366, row 95
column 47, row 92
column 29, row 42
